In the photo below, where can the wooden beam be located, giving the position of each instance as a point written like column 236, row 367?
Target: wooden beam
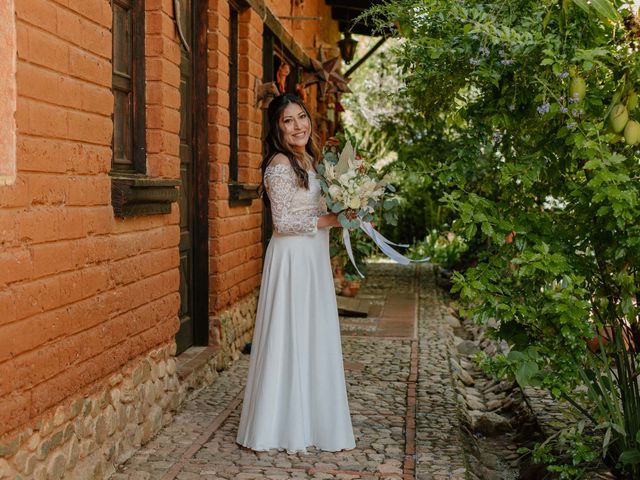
column 358, row 4
column 274, row 24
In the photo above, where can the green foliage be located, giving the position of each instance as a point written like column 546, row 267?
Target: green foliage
column 579, row 452
column 509, row 116
column 444, row 249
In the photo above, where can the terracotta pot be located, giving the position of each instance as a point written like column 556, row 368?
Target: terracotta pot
column 604, row 334
column 350, row 288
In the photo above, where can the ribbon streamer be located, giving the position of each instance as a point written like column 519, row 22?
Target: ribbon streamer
column 383, row 243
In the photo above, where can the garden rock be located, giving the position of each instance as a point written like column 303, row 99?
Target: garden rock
column 489, row 423
column 467, row 347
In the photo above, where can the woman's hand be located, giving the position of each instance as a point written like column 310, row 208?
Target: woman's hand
column 329, row 220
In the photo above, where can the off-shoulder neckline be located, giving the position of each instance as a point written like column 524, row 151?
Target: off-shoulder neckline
column 288, row 166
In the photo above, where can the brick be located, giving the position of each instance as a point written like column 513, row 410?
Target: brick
column 71, row 223
column 97, row 11
column 47, row 189
column 69, row 26
column 37, row 224
column 38, row 13
column 37, row 296
column 46, row 50
column 8, row 312
column 90, row 128
column 15, row 195
column 48, row 120
column 50, row 258
column 96, row 99
column 98, row 220
column 25, row 335
column 15, row 410
column 90, row 67
column 88, row 190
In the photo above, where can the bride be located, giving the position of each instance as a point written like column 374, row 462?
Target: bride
column 296, row 394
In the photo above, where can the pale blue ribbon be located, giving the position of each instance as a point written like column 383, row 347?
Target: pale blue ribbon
column 383, row 243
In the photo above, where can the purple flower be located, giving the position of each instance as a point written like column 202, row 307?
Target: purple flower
column 561, row 99
column 564, row 109
column 576, row 112
column 571, row 125
column 484, row 51
column 574, row 98
column 506, row 61
column 512, row 107
column 544, row 108
column 474, row 61
column 564, row 74
column 496, row 137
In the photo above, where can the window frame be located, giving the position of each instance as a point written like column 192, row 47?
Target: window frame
column 135, row 86
column 234, row 73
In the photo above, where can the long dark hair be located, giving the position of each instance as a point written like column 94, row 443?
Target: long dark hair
column 274, row 144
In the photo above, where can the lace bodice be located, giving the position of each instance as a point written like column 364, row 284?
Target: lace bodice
column 295, row 210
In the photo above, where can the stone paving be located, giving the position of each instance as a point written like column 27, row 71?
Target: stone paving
column 401, row 395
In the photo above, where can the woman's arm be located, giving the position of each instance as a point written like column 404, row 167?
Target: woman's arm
column 329, row 220
column 281, row 183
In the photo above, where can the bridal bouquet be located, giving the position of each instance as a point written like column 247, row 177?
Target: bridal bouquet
column 352, row 189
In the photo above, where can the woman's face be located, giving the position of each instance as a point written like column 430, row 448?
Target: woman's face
column 295, row 126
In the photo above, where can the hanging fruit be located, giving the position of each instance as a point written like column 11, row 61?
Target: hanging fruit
column 632, row 133
column 577, row 88
column 632, row 101
column 618, row 117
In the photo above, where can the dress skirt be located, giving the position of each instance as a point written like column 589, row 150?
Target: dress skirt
column 296, row 395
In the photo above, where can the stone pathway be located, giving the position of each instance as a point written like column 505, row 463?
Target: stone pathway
column 401, row 394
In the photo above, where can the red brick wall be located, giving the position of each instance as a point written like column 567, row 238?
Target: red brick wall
column 235, row 232
column 81, row 292
column 236, row 247
column 8, row 89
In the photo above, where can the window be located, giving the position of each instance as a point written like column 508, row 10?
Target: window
column 8, row 89
column 233, row 92
column 128, row 86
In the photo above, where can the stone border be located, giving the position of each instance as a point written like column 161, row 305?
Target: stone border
column 231, row 329
column 87, row 436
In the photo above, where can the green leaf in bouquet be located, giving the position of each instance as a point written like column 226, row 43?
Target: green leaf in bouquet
column 390, row 217
column 391, row 188
column 331, row 157
column 346, row 223
column 320, row 168
column 337, row 207
column 389, row 204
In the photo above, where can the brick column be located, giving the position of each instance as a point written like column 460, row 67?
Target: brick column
column 8, row 89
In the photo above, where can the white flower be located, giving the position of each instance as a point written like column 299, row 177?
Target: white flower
column 329, row 172
column 335, row 192
column 354, row 203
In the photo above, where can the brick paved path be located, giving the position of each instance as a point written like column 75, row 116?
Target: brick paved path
column 401, row 397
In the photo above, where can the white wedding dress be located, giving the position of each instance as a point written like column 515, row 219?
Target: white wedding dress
column 296, row 394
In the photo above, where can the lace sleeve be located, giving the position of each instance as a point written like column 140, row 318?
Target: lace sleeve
column 281, row 184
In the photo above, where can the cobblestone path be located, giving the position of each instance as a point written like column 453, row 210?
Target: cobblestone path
column 401, row 396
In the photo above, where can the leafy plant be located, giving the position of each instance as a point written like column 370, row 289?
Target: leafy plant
column 444, row 249
column 524, row 114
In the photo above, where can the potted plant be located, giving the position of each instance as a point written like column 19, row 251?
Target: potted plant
column 351, row 285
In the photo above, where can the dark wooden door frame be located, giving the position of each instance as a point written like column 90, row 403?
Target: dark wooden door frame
column 201, row 177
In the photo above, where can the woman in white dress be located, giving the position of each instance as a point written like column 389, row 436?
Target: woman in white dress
column 296, row 394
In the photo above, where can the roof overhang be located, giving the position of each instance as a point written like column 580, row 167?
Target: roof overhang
column 346, row 12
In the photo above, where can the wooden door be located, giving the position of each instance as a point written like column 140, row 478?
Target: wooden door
column 193, row 312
